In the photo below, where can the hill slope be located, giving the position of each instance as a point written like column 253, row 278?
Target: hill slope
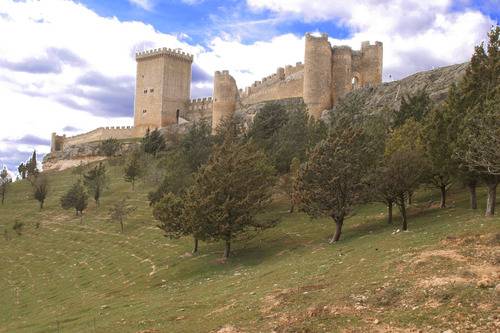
column 63, row 276
column 389, row 94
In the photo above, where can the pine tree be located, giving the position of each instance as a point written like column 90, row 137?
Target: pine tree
column 229, row 191
column 5, row 181
column 96, row 180
column 22, row 170
column 32, row 168
column 153, row 142
column 133, row 167
column 333, row 179
column 75, row 198
column 40, row 189
column 439, row 151
column 479, row 114
column 120, row 211
column 196, row 144
column 109, row 147
column 413, row 107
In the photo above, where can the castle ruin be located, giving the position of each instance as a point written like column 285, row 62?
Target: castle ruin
column 163, row 81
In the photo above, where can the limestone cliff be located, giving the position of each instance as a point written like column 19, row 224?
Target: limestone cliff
column 389, row 94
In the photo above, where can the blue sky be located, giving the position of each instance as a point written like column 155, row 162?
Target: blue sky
column 68, row 66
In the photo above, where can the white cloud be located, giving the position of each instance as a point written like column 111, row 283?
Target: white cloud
column 417, row 34
column 144, row 4
column 62, row 65
column 56, row 55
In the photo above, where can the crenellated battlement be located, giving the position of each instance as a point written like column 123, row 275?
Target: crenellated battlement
column 177, row 53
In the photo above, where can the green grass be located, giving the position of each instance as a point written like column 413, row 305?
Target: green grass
column 60, row 275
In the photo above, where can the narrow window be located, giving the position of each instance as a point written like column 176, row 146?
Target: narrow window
column 145, row 91
column 144, row 111
column 177, row 116
column 151, row 90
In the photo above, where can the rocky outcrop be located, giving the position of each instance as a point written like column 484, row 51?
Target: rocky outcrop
column 388, row 95
column 82, row 153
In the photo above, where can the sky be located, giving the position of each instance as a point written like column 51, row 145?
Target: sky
column 69, row 66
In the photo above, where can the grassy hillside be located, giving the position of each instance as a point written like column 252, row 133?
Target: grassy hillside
column 63, row 276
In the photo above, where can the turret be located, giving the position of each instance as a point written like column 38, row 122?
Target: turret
column 317, row 74
column 371, row 63
column 341, row 72
column 224, row 98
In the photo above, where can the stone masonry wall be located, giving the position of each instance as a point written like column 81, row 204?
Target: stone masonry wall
column 100, row 134
column 286, row 83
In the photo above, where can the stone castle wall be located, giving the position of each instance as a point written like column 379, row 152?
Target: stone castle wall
column 285, row 83
column 99, row 134
column 163, row 82
column 199, row 109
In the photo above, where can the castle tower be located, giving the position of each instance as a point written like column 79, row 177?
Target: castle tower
column 163, row 84
column 371, row 63
column 317, row 74
column 342, row 75
column 224, row 98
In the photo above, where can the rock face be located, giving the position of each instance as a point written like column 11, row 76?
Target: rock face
column 389, row 94
column 247, row 112
column 82, row 153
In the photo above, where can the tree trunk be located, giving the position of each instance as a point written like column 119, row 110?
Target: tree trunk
column 338, row 230
column 121, row 224
column 492, row 197
column 133, row 185
column 292, row 208
column 195, row 249
column 41, row 205
column 389, row 212
column 472, row 195
column 402, row 208
column 410, row 198
column 442, row 188
column 3, row 198
column 227, row 249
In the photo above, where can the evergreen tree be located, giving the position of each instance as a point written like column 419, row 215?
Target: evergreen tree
column 22, row 170
column 477, row 144
column 96, row 180
column 134, row 167
column 196, row 144
column 174, row 221
column 229, row 191
column 32, row 167
column 120, row 211
column 286, row 183
column 109, row 147
column 177, row 175
column 413, row 107
column 439, row 151
column 291, row 141
column 153, row 142
column 5, row 181
column 75, row 198
column 333, row 179
column 40, row 189
column 404, row 163
column 455, row 112
column 266, row 123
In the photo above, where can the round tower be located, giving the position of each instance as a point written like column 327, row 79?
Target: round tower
column 372, row 63
column 342, row 75
column 224, row 98
column 317, row 74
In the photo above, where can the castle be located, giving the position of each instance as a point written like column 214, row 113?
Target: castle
column 163, row 81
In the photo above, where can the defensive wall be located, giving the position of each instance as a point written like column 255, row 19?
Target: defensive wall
column 285, row 83
column 59, row 142
column 199, row 109
column 163, row 81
